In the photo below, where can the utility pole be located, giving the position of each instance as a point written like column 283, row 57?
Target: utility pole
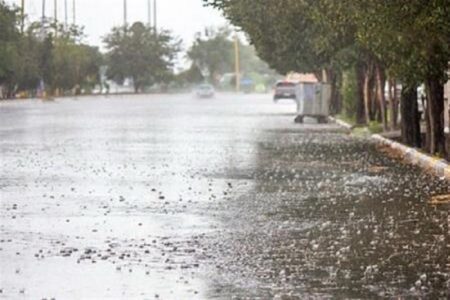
column 74, row 13
column 149, row 12
column 125, row 13
column 55, row 10
column 22, row 16
column 43, row 20
column 155, row 16
column 237, row 63
column 43, row 12
column 65, row 14
column 55, row 16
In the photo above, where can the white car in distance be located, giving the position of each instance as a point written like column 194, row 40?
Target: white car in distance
column 205, row 91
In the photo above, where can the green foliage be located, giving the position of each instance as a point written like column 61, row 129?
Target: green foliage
column 349, row 93
column 48, row 52
column 252, row 64
column 75, row 65
column 46, row 60
column 27, row 71
column 288, row 34
column 9, row 36
column 212, row 53
column 411, row 38
column 139, row 53
column 375, row 127
column 189, row 76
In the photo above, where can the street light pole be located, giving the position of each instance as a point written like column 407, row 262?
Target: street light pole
column 22, row 16
column 55, row 15
column 55, row 10
column 74, row 13
column 125, row 13
column 43, row 11
column 237, row 63
column 155, row 16
column 43, row 20
column 65, row 14
column 149, row 13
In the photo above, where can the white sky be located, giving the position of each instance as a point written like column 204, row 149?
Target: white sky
column 183, row 17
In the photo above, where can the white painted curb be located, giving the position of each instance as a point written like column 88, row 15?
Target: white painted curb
column 341, row 123
column 438, row 166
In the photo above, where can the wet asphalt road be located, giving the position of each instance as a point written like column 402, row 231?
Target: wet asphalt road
column 171, row 197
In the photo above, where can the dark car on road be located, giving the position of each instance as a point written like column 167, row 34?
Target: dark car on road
column 285, row 90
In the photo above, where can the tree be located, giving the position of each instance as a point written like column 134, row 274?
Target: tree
column 212, row 53
column 412, row 40
column 9, row 37
column 193, row 75
column 289, row 35
column 140, row 53
column 46, row 61
column 251, row 63
column 75, row 64
column 28, row 73
column 398, row 39
column 44, row 52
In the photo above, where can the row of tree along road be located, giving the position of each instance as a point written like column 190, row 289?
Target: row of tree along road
column 365, row 49
column 49, row 58
column 43, row 56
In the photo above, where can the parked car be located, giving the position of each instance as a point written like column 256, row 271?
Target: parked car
column 285, row 90
column 205, row 91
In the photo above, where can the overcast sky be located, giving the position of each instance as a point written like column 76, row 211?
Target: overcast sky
column 183, row 17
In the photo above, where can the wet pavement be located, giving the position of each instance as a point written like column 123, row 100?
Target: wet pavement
column 171, row 197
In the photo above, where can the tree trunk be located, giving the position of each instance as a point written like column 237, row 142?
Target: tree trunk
column 447, row 125
column 136, row 85
column 10, row 93
column 435, row 109
column 319, row 76
column 396, row 103
column 367, row 104
column 410, row 118
column 360, row 107
column 427, row 127
column 331, row 79
column 376, row 109
column 380, row 83
column 393, row 107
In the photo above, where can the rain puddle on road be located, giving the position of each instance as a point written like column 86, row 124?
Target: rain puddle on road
column 333, row 229
column 172, row 198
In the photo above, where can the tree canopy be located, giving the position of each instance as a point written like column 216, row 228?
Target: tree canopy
column 405, row 40
column 140, row 53
column 212, row 54
column 45, row 52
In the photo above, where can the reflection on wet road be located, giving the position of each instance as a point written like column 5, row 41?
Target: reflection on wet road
column 172, row 197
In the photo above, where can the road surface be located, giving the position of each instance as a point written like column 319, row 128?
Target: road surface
column 172, row 197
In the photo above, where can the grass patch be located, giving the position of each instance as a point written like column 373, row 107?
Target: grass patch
column 373, row 127
column 347, row 119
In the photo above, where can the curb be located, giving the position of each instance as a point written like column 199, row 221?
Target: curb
column 341, row 123
column 438, row 166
